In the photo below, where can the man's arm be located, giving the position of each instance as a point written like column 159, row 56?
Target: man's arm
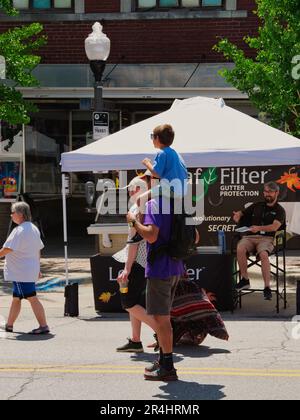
column 149, row 233
column 5, row 251
column 269, row 228
column 247, row 212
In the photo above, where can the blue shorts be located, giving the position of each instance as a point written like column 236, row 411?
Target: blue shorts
column 24, row 290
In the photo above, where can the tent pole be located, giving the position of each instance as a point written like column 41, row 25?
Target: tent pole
column 71, row 291
column 64, row 202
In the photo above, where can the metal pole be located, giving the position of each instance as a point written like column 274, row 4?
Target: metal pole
column 98, row 97
column 64, row 199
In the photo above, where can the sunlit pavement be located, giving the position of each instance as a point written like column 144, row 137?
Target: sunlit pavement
column 78, row 360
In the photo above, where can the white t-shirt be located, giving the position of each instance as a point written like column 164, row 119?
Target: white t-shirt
column 23, row 264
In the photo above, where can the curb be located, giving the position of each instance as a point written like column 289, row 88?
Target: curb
column 58, row 283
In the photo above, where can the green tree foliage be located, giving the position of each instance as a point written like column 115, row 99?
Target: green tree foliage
column 271, row 80
column 17, row 46
column 7, row 7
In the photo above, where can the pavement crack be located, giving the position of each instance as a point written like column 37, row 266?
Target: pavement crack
column 23, row 387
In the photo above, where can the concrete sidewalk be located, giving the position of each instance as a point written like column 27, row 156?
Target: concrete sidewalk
column 253, row 305
column 53, row 270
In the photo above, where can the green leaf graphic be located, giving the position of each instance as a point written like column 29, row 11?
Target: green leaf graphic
column 209, row 178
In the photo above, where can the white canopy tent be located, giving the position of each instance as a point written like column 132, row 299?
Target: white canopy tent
column 207, row 133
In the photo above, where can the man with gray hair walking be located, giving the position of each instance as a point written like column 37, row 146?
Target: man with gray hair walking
column 264, row 220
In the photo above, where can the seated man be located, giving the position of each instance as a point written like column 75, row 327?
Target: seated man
column 263, row 219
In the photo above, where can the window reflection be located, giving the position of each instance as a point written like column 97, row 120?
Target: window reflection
column 148, row 4
column 42, row 4
column 45, row 139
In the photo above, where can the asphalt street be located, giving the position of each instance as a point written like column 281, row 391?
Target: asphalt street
column 78, row 360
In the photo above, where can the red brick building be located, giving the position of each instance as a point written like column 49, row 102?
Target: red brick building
column 160, row 50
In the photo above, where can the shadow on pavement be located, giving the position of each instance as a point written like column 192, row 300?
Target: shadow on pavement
column 102, row 318
column 150, row 358
column 182, row 390
column 21, row 336
column 198, row 351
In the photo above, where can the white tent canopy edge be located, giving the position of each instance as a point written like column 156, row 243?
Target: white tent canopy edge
column 207, row 133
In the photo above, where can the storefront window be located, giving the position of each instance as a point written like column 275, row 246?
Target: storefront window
column 45, row 139
column 42, row 4
column 160, row 4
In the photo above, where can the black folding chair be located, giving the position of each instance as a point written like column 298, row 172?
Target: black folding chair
column 278, row 268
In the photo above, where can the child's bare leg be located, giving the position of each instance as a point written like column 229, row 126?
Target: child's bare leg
column 141, row 202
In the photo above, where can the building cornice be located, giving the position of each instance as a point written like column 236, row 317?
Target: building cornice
column 169, row 15
column 132, row 93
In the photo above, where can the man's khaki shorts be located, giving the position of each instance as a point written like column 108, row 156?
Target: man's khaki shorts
column 257, row 244
column 160, row 295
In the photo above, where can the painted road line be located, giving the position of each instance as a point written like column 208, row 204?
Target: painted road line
column 183, row 368
column 83, row 370
column 188, row 373
column 102, row 366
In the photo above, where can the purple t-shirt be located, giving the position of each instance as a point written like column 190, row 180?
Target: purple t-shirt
column 164, row 266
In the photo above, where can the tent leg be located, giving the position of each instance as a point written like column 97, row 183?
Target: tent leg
column 71, row 290
column 64, row 202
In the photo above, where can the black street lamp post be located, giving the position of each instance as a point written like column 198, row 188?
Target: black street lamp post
column 97, row 48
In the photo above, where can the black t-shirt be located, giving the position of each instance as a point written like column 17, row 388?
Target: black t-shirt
column 259, row 214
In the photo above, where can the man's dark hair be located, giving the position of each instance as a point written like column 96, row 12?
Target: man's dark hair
column 165, row 133
column 272, row 186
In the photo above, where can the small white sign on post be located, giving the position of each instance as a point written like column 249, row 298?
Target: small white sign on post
column 100, row 125
column 2, row 67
